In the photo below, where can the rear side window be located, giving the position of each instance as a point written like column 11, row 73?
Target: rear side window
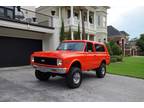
column 99, row 48
column 89, row 47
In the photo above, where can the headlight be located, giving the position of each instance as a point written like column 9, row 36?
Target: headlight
column 59, row 62
column 32, row 59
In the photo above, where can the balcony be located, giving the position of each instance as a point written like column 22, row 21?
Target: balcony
column 29, row 17
column 89, row 25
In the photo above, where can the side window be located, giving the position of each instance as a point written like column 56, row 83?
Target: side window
column 89, row 47
column 99, row 48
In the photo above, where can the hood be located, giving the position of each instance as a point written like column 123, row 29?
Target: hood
column 56, row 54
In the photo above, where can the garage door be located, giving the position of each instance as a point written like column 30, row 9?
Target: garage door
column 17, row 51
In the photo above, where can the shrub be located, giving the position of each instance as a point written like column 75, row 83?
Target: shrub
column 116, row 58
column 119, row 58
column 113, row 59
column 116, row 50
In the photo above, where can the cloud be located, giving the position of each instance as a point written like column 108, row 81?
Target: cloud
column 132, row 21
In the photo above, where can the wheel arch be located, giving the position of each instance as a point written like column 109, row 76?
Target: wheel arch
column 76, row 63
column 103, row 61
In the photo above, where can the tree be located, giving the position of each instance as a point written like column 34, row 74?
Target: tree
column 69, row 34
column 140, row 42
column 62, row 32
column 116, row 50
column 109, row 48
column 83, row 25
column 82, row 9
column 77, row 34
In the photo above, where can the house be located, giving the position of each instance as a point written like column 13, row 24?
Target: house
column 122, row 39
column 95, row 19
column 132, row 48
column 25, row 29
column 20, row 35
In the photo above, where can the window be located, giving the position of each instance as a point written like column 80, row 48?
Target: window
column 99, row 40
column 91, row 17
column 1, row 11
column 99, row 21
column 99, row 48
column 89, row 47
column 68, row 13
column 85, row 16
column 104, row 21
column 91, row 38
column 9, row 14
column 72, row 46
column 76, row 14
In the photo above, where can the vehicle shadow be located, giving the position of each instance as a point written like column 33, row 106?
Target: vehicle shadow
column 60, row 83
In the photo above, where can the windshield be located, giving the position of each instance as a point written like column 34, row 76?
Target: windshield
column 74, row 46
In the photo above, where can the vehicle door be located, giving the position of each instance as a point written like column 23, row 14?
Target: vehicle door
column 99, row 54
column 89, row 50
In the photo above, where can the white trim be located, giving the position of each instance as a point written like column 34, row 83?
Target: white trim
column 72, row 35
column 71, row 17
column 25, row 27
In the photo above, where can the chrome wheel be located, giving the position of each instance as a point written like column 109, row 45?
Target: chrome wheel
column 103, row 70
column 76, row 77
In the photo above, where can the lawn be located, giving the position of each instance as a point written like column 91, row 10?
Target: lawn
column 131, row 66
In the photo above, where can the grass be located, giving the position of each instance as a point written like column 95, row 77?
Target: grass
column 131, row 66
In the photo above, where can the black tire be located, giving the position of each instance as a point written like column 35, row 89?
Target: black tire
column 42, row 76
column 101, row 71
column 74, row 77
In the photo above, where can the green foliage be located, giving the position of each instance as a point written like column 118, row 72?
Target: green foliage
column 116, row 50
column 116, row 58
column 113, row 59
column 77, row 34
column 62, row 32
column 69, row 34
column 109, row 48
column 140, row 42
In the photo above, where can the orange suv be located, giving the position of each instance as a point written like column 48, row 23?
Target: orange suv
column 70, row 60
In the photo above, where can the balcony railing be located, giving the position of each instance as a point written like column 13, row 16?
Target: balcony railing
column 26, row 16
column 77, row 21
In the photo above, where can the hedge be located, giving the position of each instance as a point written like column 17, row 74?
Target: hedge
column 116, row 58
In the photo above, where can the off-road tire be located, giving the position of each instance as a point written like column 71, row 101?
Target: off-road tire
column 70, row 77
column 42, row 76
column 101, row 71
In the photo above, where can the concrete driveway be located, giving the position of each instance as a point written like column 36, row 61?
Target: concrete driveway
column 20, row 84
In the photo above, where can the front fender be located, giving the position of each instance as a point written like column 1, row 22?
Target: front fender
column 68, row 65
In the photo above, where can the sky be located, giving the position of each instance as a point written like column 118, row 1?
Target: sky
column 128, row 17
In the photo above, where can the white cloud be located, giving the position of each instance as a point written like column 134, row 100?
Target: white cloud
column 130, row 20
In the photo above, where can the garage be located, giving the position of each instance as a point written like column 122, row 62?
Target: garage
column 16, row 51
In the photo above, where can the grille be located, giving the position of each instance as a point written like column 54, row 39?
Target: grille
column 44, row 60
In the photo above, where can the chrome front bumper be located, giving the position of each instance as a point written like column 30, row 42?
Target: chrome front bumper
column 51, row 70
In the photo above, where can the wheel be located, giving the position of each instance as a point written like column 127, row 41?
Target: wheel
column 101, row 71
column 42, row 76
column 74, row 77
